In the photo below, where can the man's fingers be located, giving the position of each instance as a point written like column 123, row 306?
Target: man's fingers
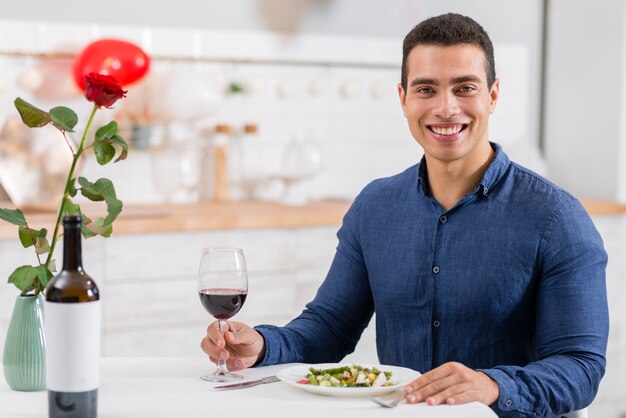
column 214, row 334
column 452, row 383
column 464, row 397
column 449, row 393
column 428, row 378
column 213, row 343
column 435, row 389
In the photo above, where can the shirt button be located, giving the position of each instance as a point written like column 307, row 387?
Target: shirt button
column 435, row 269
column 443, row 219
column 508, row 402
column 436, row 325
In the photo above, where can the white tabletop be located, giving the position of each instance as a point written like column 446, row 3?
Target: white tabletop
column 170, row 387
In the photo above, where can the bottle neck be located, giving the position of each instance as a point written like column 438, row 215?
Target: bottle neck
column 72, row 251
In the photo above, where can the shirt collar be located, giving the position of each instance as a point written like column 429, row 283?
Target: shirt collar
column 493, row 174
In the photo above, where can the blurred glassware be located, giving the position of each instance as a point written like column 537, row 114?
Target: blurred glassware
column 302, row 161
column 179, row 169
column 225, row 171
column 140, row 136
column 256, row 159
column 33, row 164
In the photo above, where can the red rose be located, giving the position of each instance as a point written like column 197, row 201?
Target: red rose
column 103, row 90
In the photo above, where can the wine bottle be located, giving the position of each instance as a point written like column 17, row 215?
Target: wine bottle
column 72, row 326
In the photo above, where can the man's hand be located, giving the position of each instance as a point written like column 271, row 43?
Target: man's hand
column 452, row 383
column 241, row 346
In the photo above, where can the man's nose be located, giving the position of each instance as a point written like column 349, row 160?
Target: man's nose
column 446, row 106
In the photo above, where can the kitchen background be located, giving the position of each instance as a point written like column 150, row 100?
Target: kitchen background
column 315, row 81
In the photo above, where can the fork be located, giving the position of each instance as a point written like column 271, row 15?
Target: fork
column 389, row 403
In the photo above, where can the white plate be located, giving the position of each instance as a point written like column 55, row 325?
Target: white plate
column 400, row 377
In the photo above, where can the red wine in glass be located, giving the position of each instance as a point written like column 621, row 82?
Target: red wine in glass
column 223, row 288
column 222, row 303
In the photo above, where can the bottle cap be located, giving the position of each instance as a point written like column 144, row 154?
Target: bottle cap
column 250, row 128
column 222, row 128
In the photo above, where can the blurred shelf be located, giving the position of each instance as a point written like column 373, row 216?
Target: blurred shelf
column 206, row 216
column 598, row 207
column 146, row 219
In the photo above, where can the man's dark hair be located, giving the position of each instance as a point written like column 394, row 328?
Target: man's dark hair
column 449, row 30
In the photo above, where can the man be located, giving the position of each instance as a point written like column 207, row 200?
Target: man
column 484, row 276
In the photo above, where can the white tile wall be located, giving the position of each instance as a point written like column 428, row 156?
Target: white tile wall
column 362, row 137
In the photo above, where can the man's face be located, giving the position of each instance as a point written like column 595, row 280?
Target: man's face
column 447, row 101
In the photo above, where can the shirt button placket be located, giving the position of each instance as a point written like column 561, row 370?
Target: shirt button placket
column 435, row 269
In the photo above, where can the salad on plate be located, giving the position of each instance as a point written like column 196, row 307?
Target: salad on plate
column 348, row 376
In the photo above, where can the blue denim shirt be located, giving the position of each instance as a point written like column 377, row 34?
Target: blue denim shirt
column 510, row 281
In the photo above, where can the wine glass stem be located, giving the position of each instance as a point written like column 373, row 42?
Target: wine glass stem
column 221, row 363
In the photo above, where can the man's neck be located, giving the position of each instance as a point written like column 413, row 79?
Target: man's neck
column 450, row 181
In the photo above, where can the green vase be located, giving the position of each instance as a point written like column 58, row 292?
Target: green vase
column 24, row 360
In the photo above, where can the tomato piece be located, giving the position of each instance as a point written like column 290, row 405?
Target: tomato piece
column 303, row 381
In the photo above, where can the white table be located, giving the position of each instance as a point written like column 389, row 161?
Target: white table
column 170, row 387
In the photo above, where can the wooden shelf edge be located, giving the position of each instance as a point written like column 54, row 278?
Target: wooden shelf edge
column 205, row 216
column 208, row 216
column 599, row 207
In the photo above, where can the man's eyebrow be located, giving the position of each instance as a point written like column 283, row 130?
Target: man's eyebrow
column 455, row 80
column 418, row 81
column 465, row 79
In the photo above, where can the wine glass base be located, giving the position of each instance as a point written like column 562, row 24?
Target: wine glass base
column 221, row 377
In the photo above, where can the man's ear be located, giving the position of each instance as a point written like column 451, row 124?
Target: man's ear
column 494, row 93
column 402, row 96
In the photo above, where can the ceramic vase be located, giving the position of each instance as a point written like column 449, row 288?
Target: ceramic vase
column 24, row 361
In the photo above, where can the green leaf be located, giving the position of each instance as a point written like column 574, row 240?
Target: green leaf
column 42, row 245
column 114, row 205
column 27, row 236
column 70, row 208
column 31, row 115
column 235, row 87
column 103, row 147
column 14, row 216
column 100, row 228
column 88, row 189
column 52, row 265
column 63, row 118
column 43, row 277
column 72, row 188
column 42, row 233
column 104, row 151
column 102, row 189
column 107, row 131
column 118, row 140
column 23, row 277
column 86, row 232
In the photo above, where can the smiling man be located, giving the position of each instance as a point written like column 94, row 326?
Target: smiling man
column 484, row 276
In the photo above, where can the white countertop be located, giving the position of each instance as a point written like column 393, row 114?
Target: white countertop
column 171, row 387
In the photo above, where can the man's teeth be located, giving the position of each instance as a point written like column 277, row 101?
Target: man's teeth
column 448, row 130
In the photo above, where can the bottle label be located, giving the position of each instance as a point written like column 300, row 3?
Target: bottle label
column 72, row 346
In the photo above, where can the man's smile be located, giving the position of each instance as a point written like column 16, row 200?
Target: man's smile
column 447, row 130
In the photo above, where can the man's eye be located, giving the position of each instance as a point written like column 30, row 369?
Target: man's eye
column 467, row 89
column 424, row 90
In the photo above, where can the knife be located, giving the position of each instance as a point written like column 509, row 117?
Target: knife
column 269, row 379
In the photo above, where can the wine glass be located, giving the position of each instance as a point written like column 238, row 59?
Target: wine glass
column 223, row 287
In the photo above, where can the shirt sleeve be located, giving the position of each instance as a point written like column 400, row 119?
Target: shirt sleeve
column 571, row 325
column 331, row 325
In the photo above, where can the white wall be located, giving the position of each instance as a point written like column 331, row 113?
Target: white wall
column 585, row 110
